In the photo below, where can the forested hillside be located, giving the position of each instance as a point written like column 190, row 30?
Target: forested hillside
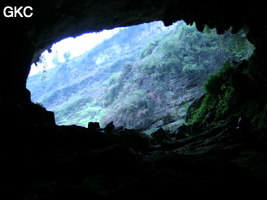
column 145, row 76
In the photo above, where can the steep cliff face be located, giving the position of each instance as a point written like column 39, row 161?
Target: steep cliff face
column 40, row 161
column 143, row 77
column 71, row 18
column 85, row 78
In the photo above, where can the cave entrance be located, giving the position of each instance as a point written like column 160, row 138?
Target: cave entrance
column 143, row 76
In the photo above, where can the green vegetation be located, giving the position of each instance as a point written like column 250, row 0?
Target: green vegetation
column 184, row 51
column 148, row 50
column 188, row 51
column 218, row 99
column 136, row 84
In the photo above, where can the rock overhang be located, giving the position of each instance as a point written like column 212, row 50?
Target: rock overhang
column 24, row 39
column 55, row 20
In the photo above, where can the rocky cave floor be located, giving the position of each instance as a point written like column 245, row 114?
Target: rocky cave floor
column 71, row 162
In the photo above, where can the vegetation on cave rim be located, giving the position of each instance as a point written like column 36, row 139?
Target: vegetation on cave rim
column 219, row 99
column 225, row 94
column 185, row 51
column 135, row 83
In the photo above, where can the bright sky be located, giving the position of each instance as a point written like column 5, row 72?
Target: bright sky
column 76, row 46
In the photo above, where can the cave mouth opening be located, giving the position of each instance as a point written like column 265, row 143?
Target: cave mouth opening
column 142, row 76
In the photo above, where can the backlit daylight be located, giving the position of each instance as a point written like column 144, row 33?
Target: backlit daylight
column 145, row 71
column 72, row 46
column 152, row 99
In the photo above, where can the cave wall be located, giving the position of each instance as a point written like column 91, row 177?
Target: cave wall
column 24, row 39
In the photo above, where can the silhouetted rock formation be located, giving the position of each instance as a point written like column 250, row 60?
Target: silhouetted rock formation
column 41, row 161
column 51, row 162
column 110, row 127
column 93, row 125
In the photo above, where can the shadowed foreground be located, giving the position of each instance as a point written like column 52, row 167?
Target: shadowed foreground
column 71, row 162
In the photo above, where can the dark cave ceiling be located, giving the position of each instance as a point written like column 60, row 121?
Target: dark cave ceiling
column 26, row 38
column 56, row 20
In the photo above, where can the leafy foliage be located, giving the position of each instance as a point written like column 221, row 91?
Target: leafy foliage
column 149, row 48
column 188, row 51
column 130, row 84
column 219, row 97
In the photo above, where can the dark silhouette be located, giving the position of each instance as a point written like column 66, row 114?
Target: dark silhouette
column 93, row 125
column 110, row 127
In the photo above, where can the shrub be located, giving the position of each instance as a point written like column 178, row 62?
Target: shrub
column 149, row 48
column 218, row 100
column 217, row 83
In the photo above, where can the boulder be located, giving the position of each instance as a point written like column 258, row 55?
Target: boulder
column 160, row 135
column 93, row 125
